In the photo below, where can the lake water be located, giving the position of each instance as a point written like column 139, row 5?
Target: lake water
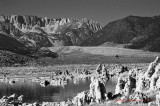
column 34, row 92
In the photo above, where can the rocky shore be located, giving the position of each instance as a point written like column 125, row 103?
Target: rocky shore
column 136, row 86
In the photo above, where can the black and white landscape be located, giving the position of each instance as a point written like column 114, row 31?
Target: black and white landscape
column 74, row 61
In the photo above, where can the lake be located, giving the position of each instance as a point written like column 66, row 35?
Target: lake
column 34, row 92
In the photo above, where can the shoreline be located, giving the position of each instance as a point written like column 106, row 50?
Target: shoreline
column 37, row 72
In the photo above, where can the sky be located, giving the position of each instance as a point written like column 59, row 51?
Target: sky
column 102, row 11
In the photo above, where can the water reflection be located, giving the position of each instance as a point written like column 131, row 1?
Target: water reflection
column 34, row 92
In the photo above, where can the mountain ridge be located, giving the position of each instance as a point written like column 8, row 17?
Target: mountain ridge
column 26, row 22
column 31, row 33
column 139, row 32
column 31, row 36
column 63, row 31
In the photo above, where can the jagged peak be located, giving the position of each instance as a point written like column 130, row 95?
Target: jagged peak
column 26, row 22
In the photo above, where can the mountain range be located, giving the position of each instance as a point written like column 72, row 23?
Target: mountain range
column 31, row 35
column 134, row 31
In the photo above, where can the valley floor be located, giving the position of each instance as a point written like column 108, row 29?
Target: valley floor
column 38, row 71
column 99, row 54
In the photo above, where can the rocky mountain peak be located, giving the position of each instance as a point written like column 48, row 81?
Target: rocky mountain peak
column 26, row 23
column 36, row 32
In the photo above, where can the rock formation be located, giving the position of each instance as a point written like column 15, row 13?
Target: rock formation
column 96, row 92
column 135, row 85
column 12, row 99
column 44, row 83
column 58, row 82
column 139, row 87
column 151, row 68
column 158, row 98
column 120, row 85
column 105, row 73
column 123, row 69
column 101, row 71
column 146, row 84
column 98, row 69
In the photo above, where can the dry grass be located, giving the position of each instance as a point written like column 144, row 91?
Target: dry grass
column 99, row 54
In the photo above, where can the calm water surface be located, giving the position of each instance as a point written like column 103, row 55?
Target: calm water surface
column 34, row 92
